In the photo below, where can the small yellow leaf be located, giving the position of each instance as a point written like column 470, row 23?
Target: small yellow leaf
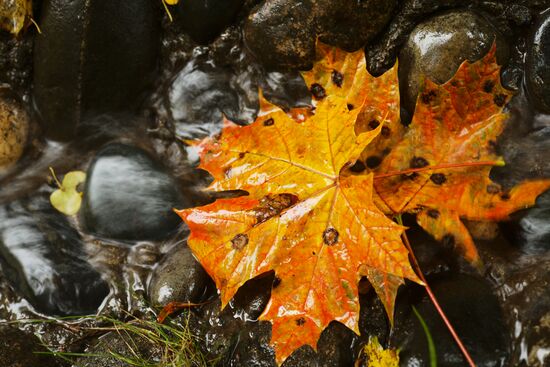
column 67, row 199
column 374, row 355
column 171, row 2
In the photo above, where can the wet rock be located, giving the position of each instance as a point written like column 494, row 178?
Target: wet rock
column 350, row 24
column 537, row 64
column 531, row 229
column 437, row 47
column 19, row 349
column 212, row 84
column 16, row 60
column 129, row 196
column 43, row 258
column 14, row 130
column 337, row 346
column 93, row 57
column 472, row 309
column 204, row 20
column 281, row 33
column 232, row 335
column 123, row 343
column 178, row 278
column 527, row 305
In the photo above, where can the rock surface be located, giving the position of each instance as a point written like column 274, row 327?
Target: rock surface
column 538, row 64
column 350, row 24
column 14, row 130
column 204, row 20
column 281, row 33
column 436, row 48
column 129, row 196
column 19, row 349
column 178, row 278
column 472, row 309
column 527, row 304
column 93, row 57
column 44, row 260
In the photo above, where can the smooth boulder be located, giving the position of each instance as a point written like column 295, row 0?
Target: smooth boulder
column 44, row 260
column 130, row 196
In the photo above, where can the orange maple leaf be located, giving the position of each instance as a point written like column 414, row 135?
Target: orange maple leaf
column 451, row 146
column 317, row 224
column 320, row 232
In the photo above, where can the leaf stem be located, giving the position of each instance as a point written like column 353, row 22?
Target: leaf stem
column 55, row 178
column 432, row 297
column 440, row 166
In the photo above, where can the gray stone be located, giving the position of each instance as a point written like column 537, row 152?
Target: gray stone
column 43, row 259
column 437, row 47
column 92, row 57
column 130, row 196
column 281, row 33
column 538, row 64
column 178, row 278
column 19, row 349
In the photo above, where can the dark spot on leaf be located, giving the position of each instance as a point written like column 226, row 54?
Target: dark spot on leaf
column 433, row 213
column 300, row 321
column 454, row 83
column 318, row 91
column 337, row 78
column 269, row 122
column 492, row 146
column 418, row 162
column 313, row 253
column 239, row 241
column 276, row 281
column 350, row 106
column 227, row 172
column 488, row 86
column 448, row 240
column 438, row 178
column 373, row 124
column 499, row 99
column 505, row 196
column 386, row 132
column 272, row 205
column 428, row 96
column 241, row 155
column 330, row 236
column 358, row 167
column 373, row 161
column 493, row 188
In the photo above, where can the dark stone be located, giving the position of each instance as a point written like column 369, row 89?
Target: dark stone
column 537, row 64
column 126, row 344
column 204, row 20
column 527, row 307
column 212, row 84
column 281, row 33
column 436, row 48
column 178, row 278
column 20, row 349
column 473, row 311
column 16, row 60
column 531, row 229
column 337, row 346
column 130, row 196
column 44, row 260
column 350, row 24
column 93, row 57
